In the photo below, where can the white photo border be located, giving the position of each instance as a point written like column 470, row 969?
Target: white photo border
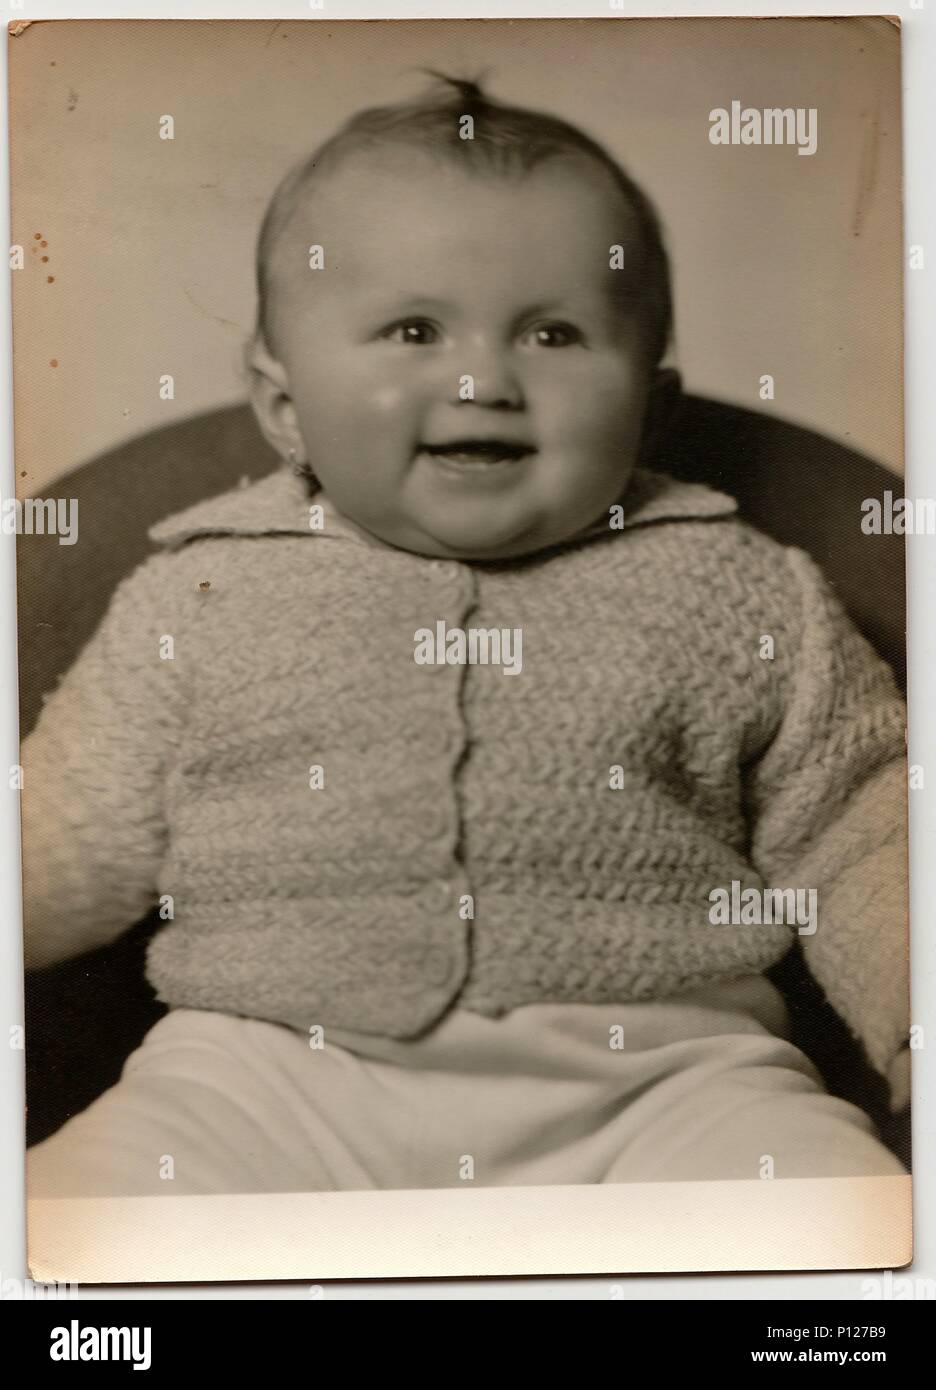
column 918, row 24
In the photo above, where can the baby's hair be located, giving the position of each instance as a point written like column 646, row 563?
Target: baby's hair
column 505, row 140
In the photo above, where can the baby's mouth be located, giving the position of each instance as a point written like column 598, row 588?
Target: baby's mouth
column 478, row 453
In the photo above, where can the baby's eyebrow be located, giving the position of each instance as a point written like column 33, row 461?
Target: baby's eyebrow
column 584, row 311
column 403, row 302
column 407, row 301
column 420, row 300
column 545, row 306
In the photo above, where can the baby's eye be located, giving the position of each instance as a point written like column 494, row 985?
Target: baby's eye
column 553, row 335
column 416, row 331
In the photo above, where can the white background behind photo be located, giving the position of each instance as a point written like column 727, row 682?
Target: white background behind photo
column 160, row 279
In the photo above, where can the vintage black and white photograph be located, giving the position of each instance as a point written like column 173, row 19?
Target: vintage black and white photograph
column 460, row 554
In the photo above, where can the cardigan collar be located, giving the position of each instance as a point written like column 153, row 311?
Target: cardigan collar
column 279, row 504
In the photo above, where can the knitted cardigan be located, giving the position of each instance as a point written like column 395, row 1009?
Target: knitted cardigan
column 478, row 838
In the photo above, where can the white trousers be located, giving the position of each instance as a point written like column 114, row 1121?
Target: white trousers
column 703, row 1086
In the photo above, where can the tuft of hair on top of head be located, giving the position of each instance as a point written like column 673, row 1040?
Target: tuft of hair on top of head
column 506, row 141
column 467, row 89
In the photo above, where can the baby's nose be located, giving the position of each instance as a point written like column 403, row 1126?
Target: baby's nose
column 489, row 378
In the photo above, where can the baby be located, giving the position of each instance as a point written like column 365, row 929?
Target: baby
column 425, row 925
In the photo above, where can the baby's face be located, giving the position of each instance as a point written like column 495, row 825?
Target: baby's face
column 461, row 378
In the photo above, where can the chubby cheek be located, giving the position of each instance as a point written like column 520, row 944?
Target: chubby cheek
column 359, row 406
column 366, row 394
column 601, row 413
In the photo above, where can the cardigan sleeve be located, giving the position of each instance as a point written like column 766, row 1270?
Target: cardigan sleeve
column 828, row 801
column 92, row 801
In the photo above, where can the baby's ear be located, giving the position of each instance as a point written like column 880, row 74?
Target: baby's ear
column 663, row 397
column 268, row 385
